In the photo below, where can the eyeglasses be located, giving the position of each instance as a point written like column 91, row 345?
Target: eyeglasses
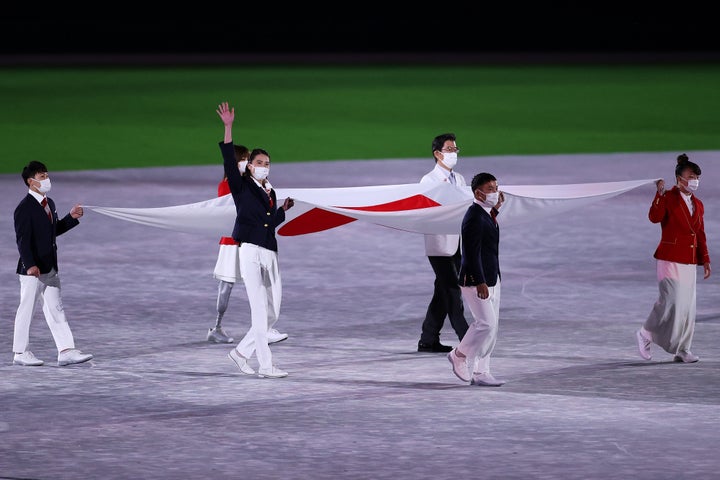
column 450, row 150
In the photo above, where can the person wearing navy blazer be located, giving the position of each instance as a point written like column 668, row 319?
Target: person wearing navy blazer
column 37, row 226
column 479, row 279
column 257, row 217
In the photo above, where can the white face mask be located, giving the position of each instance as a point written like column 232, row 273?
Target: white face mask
column 260, row 173
column 45, row 185
column 693, row 184
column 242, row 165
column 449, row 159
column 491, row 199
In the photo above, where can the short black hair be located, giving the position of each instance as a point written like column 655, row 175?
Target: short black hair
column 481, row 179
column 439, row 141
column 31, row 169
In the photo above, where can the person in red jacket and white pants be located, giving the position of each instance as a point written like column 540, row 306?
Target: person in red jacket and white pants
column 682, row 247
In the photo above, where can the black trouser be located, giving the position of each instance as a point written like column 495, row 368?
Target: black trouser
column 446, row 300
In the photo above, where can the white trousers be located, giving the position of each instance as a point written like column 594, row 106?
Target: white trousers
column 672, row 319
column 261, row 276
column 46, row 287
column 479, row 341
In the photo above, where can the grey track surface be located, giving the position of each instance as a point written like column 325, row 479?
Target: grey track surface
column 360, row 403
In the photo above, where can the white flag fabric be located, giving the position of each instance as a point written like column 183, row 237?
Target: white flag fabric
column 425, row 208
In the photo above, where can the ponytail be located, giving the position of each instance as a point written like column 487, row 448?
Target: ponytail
column 684, row 163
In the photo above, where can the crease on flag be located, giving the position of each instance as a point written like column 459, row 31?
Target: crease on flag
column 424, row 208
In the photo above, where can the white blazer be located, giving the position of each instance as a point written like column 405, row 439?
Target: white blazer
column 442, row 245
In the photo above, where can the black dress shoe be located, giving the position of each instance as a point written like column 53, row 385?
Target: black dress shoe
column 433, row 347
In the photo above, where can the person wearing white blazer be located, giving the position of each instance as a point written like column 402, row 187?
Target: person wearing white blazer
column 443, row 252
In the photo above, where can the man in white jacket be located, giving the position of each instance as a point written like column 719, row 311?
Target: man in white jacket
column 443, row 251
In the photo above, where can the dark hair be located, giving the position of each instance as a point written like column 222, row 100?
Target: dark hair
column 255, row 152
column 31, row 169
column 240, row 151
column 439, row 141
column 481, row 179
column 683, row 163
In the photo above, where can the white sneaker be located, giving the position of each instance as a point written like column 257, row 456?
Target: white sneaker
column 241, row 362
column 459, row 366
column 274, row 336
column 686, row 357
column 485, row 380
column 218, row 335
column 643, row 345
column 72, row 356
column 272, row 372
column 27, row 359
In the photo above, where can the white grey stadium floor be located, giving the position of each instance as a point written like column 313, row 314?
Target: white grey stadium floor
column 158, row 401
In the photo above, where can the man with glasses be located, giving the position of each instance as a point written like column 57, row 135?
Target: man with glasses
column 443, row 252
column 37, row 226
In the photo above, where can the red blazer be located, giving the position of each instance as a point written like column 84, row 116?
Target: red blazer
column 224, row 189
column 683, row 236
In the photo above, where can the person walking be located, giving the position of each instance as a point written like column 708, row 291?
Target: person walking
column 443, row 252
column 479, row 280
column 257, row 217
column 37, row 226
column 683, row 246
column 227, row 267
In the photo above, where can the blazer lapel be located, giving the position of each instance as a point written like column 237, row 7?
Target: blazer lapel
column 260, row 192
column 680, row 202
column 487, row 217
column 696, row 211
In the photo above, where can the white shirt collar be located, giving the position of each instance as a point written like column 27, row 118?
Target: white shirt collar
column 487, row 209
column 444, row 171
column 688, row 201
column 267, row 186
column 38, row 196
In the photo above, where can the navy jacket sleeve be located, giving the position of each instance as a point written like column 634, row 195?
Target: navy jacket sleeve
column 480, row 239
column 35, row 235
column 256, row 216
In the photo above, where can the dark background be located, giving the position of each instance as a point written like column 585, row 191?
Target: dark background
column 442, row 27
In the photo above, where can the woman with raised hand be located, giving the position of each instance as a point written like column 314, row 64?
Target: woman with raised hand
column 257, row 217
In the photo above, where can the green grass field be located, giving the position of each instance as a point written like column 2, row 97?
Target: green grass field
column 99, row 118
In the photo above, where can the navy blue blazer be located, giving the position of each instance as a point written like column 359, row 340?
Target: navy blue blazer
column 256, row 219
column 35, row 234
column 480, row 238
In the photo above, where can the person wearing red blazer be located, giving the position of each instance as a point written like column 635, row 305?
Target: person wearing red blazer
column 683, row 246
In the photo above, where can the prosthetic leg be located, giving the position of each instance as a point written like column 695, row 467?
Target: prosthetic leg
column 216, row 334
